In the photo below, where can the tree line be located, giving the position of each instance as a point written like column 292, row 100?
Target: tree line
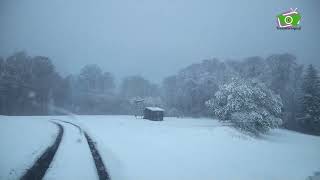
column 32, row 86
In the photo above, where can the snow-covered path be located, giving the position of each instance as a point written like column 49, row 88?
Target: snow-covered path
column 73, row 159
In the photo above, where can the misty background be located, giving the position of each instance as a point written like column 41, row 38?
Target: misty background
column 106, row 67
column 191, row 58
column 153, row 39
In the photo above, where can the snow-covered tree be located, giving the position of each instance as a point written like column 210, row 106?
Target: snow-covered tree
column 282, row 74
column 248, row 105
column 188, row 90
column 311, row 100
column 137, row 86
column 153, row 101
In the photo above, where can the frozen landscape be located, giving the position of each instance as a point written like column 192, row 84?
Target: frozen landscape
column 159, row 90
column 176, row 148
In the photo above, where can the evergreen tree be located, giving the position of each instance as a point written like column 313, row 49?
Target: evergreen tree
column 311, row 100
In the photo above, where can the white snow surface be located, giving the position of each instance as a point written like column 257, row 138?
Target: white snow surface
column 173, row 149
column 73, row 159
column 191, row 149
column 23, row 139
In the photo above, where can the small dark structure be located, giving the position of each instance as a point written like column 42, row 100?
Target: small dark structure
column 139, row 107
column 153, row 113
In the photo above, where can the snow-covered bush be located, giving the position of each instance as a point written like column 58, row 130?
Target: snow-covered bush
column 248, row 104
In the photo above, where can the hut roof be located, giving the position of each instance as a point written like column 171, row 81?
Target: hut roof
column 154, row 109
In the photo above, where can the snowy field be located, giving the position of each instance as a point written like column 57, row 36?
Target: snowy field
column 22, row 139
column 137, row 149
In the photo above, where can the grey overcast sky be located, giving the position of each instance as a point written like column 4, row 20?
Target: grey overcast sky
column 154, row 38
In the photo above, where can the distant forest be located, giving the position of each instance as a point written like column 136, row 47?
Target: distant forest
column 32, row 86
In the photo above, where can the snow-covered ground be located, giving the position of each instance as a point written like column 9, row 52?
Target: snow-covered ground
column 22, row 139
column 73, row 159
column 199, row 149
column 137, row 149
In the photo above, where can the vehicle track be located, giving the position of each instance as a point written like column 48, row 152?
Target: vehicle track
column 39, row 168
column 100, row 167
column 75, row 125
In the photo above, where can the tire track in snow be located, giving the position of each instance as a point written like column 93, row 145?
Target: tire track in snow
column 73, row 158
column 100, row 167
column 39, row 168
column 77, row 126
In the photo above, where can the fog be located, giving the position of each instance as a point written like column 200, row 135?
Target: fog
column 232, row 88
column 153, row 38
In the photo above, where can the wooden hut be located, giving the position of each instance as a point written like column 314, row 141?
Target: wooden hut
column 153, row 113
